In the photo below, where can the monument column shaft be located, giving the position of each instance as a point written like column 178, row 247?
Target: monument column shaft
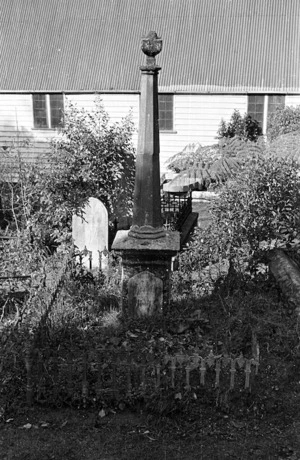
column 147, row 249
column 147, row 208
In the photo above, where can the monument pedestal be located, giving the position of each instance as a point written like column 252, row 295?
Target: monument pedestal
column 146, row 272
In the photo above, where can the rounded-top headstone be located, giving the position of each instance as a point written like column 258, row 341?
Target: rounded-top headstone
column 91, row 231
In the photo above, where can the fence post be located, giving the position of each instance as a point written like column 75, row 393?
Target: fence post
column 232, row 373
column 28, row 365
column 84, row 379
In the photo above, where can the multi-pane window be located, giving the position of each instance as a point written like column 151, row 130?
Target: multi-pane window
column 260, row 106
column 256, row 107
column 48, row 110
column 275, row 100
column 165, row 108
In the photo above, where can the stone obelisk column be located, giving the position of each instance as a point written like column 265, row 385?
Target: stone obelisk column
column 147, row 220
column 147, row 249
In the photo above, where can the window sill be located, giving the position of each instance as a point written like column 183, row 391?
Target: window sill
column 162, row 131
column 56, row 130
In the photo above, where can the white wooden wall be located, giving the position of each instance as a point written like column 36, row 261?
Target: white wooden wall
column 16, row 127
column 292, row 99
column 196, row 119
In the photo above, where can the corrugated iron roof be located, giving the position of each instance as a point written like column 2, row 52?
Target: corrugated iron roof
column 94, row 45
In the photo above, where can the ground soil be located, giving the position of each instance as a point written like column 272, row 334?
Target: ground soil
column 68, row 434
column 261, row 424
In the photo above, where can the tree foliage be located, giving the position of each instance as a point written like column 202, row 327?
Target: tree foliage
column 193, row 155
column 240, row 141
column 284, row 120
column 205, row 166
column 286, row 146
column 242, row 149
column 91, row 157
column 245, row 127
column 261, row 207
column 254, row 213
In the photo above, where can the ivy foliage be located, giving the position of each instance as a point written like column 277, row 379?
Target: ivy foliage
column 284, row 120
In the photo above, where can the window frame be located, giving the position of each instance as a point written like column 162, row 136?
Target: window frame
column 48, row 111
column 266, row 107
column 163, row 129
column 256, row 103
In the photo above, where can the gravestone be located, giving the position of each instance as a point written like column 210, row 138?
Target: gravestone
column 90, row 232
column 145, row 294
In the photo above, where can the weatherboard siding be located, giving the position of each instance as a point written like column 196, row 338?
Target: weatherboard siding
column 292, row 100
column 16, row 120
column 196, row 119
column 118, row 106
column 16, row 128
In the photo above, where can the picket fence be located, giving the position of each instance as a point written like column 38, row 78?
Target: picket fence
column 97, row 375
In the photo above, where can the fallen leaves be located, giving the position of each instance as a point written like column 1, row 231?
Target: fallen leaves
column 28, row 426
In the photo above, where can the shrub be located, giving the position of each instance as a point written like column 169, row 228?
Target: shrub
column 284, row 120
column 262, row 205
column 286, row 146
column 257, row 211
column 93, row 157
column 243, row 127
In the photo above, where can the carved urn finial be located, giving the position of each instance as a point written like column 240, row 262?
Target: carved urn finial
column 151, row 46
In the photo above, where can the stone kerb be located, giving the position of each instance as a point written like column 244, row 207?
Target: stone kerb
column 90, row 232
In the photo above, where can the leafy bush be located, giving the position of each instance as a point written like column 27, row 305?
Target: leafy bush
column 286, row 146
column 257, row 211
column 262, row 206
column 284, row 120
column 243, row 127
column 92, row 157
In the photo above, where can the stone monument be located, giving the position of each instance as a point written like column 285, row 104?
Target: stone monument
column 90, row 232
column 147, row 249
